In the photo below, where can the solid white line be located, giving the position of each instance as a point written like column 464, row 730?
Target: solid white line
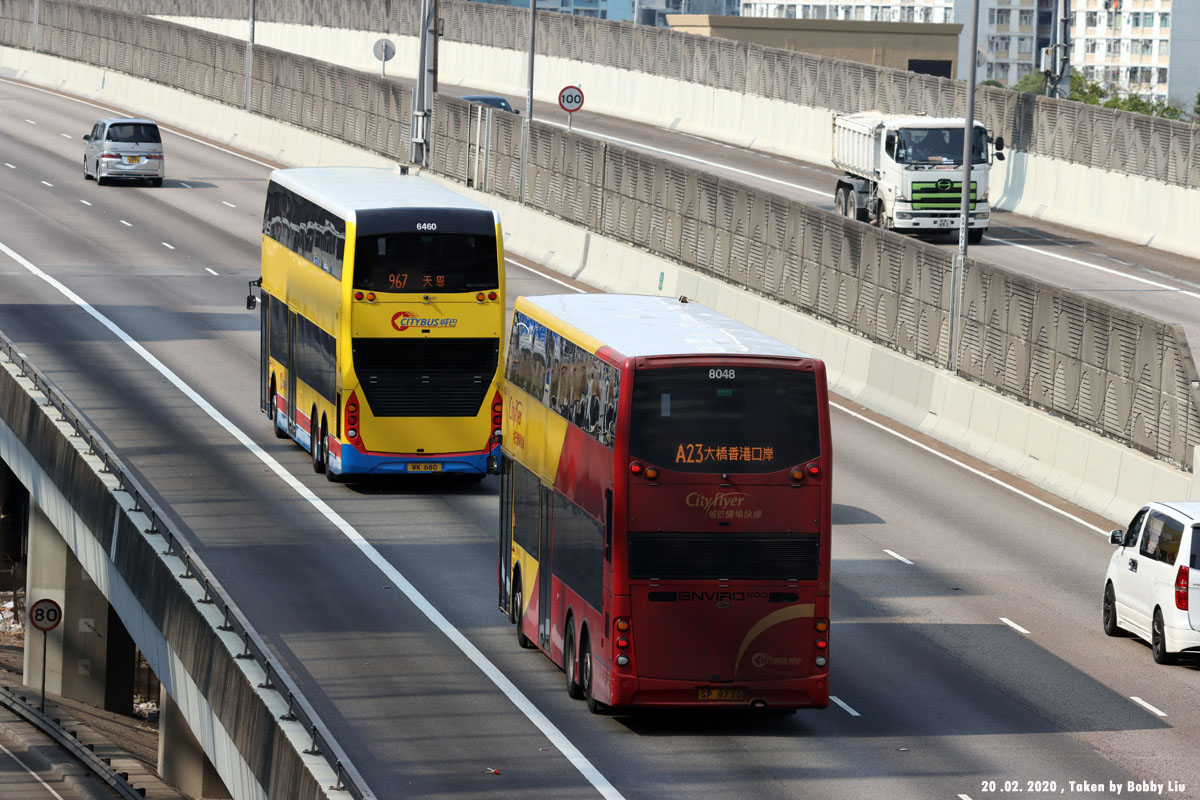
column 231, row 205
column 1014, row 625
column 185, row 185
column 485, row 665
column 126, row 224
column 10, row 166
column 214, row 272
column 694, row 159
column 972, row 470
column 845, row 707
column 47, row 183
column 120, row 113
column 169, row 247
column 964, row 797
column 544, row 275
column 36, row 777
column 66, row 136
column 1107, row 270
column 1144, row 704
column 85, row 202
column 897, row 556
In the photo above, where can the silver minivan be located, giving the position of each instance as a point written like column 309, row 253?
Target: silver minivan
column 123, row 148
column 1152, row 588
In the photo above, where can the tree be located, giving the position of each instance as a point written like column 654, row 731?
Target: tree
column 1196, row 109
column 1033, row 83
column 999, row 85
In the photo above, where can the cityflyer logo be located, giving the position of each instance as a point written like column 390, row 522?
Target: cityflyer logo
column 760, row 660
column 402, row 321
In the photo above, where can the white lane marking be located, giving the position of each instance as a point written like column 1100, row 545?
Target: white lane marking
column 1014, row 625
column 169, row 247
column 48, row 183
column 185, row 185
column 972, row 470
column 45, row 785
column 845, row 707
column 964, row 797
column 1107, row 270
column 226, row 202
column 539, row 273
column 695, row 160
column 126, row 224
column 85, row 202
column 1146, row 705
column 897, row 556
column 31, row 122
column 10, row 166
column 115, row 112
column 213, row 272
column 66, row 136
column 485, row 665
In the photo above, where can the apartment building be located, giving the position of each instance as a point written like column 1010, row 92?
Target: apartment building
column 1011, row 32
column 1149, row 48
column 599, row 9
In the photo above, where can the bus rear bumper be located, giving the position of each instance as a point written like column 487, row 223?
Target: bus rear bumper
column 349, row 461
column 812, row 692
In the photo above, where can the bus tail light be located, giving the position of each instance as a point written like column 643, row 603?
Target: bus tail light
column 497, row 414
column 492, row 295
column 637, row 468
column 822, row 642
column 621, row 639
column 813, row 470
column 480, row 296
column 1181, row 588
column 351, row 420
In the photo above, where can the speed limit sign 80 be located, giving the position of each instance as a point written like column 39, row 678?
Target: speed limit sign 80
column 571, row 99
column 45, row 615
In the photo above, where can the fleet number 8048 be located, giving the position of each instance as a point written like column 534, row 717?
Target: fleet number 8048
column 719, row 374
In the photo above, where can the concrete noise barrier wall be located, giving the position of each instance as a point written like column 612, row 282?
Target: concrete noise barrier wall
column 1108, row 369
column 1113, row 172
column 255, row 727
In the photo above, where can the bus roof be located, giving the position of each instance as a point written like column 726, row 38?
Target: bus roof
column 647, row 325
column 346, row 190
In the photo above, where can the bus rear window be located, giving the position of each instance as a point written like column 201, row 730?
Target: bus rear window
column 724, row 419
column 425, row 262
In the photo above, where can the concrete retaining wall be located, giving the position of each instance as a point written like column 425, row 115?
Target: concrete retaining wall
column 1108, row 203
column 1084, row 468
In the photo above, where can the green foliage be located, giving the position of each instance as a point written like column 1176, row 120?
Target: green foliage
column 1093, row 94
column 1033, row 83
column 998, row 84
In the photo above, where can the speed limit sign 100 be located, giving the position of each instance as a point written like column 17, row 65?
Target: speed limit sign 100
column 571, row 99
column 45, row 615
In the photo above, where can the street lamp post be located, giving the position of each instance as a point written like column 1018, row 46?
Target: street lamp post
column 526, row 127
column 249, row 59
column 964, row 219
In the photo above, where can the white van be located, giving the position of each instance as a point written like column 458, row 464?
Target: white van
column 1152, row 588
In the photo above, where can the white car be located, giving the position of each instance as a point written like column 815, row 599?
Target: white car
column 1152, row 588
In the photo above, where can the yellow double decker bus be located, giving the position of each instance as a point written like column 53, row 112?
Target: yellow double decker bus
column 381, row 316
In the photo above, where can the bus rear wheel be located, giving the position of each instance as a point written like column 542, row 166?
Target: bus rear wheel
column 574, row 690
column 515, row 608
column 585, row 678
column 317, row 446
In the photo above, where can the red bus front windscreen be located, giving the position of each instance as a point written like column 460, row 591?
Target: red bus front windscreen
column 725, row 419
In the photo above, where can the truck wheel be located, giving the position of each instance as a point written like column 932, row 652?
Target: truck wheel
column 975, row 235
column 839, row 201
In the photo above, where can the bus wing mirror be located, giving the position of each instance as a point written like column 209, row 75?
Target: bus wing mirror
column 999, row 156
column 999, row 143
column 251, row 302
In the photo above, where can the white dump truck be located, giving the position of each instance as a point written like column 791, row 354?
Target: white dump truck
column 905, row 172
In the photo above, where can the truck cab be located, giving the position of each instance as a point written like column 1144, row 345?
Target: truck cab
column 905, row 173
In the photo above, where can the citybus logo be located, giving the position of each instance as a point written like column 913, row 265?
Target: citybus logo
column 402, row 321
column 760, row 660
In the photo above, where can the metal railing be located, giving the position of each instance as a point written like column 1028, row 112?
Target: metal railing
column 234, row 621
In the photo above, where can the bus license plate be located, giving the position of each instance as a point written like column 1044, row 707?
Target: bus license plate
column 712, row 693
column 424, row 467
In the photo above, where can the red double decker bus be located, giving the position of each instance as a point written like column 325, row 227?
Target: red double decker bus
column 665, row 504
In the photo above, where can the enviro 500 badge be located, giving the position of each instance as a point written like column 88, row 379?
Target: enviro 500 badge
column 402, row 321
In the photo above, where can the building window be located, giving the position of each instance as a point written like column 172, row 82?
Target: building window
column 992, row 17
column 1091, row 45
column 1164, row 47
column 1092, row 19
column 1164, row 20
column 1026, row 18
column 1004, row 17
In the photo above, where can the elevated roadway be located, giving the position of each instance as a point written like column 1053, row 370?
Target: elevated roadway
column 966, row 646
